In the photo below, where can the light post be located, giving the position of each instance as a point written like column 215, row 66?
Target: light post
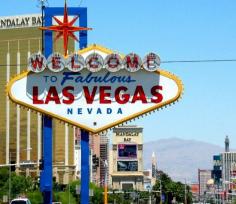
column 10, row 165
column 69, row 171
column 185, row 192
column 105, row 185
column 105, row 163
column 160, row 192
column 9, row 177
column 150, row 196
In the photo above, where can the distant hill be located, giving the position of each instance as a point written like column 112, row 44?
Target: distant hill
column 179, row 158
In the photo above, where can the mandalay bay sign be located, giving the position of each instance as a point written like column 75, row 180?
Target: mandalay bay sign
column 94, row 89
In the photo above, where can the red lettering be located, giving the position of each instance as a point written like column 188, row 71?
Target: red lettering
column 35, row 96
column 132, row 63
column 66, row 93
column 158, row 97
column 52, row 95
column 56, row 61
column 93, row 62
column 73, row 64
column 139, row 95
column 104, row 94
column 150, row 60
column 89, row 97
column 121, row 98
column 113, row 62
column 37, row 63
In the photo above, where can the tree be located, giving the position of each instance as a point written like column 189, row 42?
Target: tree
column 19, row 184
column 97, row 197
column 171, row 189
column 4, row 175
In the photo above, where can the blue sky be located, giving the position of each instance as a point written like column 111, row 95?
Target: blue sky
column 176, row 30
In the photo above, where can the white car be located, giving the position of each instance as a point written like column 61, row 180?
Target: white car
column 20, row 201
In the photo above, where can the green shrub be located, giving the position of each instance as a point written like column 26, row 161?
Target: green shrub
column 63, row 197
column 35, row 197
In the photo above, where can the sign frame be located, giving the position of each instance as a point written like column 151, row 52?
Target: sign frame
column 110, row 125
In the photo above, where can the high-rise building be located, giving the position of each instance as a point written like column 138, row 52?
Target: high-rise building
column 104, row 159
column 127, row 158
column 154, row 169
column 217, row 169
column 95, row 141
column 203, row 177
column 226, row 144
column 99, row 151
column 154, row 165
column 228, row 169
column 20, row 129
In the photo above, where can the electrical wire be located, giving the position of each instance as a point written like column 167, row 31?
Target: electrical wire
column 199, row 61
column 164, row 62
column 81, row 1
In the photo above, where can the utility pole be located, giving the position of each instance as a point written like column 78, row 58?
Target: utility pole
column 105, row 186
column 150, row 196
column 160, row 192
column 42, row 6
column 9, row 199
column 185, row 192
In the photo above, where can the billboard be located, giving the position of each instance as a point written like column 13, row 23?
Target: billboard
column 127, row 165
column 127, row 151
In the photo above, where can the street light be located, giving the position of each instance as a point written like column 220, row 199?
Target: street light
column 9, row 200
column 160, row 192
column 185, row 192
column 105, row 187
column 105, row 163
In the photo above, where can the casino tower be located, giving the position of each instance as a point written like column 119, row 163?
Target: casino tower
column 20, row 129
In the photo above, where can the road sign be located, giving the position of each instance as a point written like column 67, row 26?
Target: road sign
column 27, row 164
column 5, row 199
column 77, row 189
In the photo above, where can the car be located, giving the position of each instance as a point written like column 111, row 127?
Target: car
column 20, row 201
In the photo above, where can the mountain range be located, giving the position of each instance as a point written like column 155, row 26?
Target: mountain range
column 180, row 158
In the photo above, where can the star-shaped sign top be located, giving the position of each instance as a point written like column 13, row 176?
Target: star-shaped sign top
column 65, row 29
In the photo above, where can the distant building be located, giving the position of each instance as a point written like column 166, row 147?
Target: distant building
column 228, row 160
column 203, row 177
column 104, row 159
column 147, row 181
column 154, row 165
column 228, row 169
column 195, row 190
column 99, row 148
column 95, row 153
column 127, row 158
column 154, row 169
column 227, row 144
column 217, row 169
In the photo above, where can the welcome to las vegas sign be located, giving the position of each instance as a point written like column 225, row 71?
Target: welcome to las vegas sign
column 94, row 100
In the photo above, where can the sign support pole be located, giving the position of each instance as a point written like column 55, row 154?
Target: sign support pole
column 46, row 174
column 84, row 192
column 85, row 178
